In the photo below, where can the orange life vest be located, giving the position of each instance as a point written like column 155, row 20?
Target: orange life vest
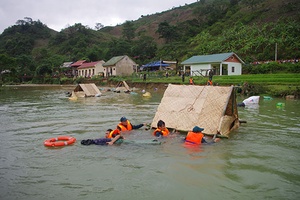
column 113, row 133
column 194, row 138
column 165, row 132
column 128, row 127
column 191, row 81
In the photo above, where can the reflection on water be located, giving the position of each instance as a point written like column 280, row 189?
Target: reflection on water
column 259, row 161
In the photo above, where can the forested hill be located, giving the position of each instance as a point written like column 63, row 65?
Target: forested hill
column 249, row 28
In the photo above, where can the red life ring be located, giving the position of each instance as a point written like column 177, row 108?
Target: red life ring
column 56, row 142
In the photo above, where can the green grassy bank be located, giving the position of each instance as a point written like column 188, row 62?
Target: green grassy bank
column 278, row 85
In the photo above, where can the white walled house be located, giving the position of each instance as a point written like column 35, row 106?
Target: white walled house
column 119, row 66
column 221, row 64
column 91, row 69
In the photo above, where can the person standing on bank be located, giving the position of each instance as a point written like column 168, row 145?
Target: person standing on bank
column 191, row 81
column 209, row 82
column 210, row 74
column 125, row 125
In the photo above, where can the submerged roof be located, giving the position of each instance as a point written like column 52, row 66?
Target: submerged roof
column 122, row 85
column 210, row 107
column 210, row 58
column 87, row 90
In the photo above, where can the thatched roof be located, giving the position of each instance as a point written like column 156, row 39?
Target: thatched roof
column 86, row 90
column 213, row 108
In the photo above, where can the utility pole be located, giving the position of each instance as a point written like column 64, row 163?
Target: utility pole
column 276, row 52
column 160, row 68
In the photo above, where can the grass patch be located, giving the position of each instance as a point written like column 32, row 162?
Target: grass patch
column 265, row 79
column 272, row 84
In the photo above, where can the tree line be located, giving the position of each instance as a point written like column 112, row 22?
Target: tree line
column 30, row 47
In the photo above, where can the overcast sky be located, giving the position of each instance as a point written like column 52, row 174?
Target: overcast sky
column 59, row 14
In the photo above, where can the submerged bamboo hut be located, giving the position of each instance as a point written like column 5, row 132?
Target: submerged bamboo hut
column 213, row 108
column 86, row 90
column 122, row 86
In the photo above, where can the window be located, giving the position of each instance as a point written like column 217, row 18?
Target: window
column 232, row 69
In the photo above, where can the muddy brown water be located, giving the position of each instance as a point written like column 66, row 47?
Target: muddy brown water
column 259, row 161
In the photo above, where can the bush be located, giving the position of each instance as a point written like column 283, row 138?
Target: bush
column 56, row 81
column 272, row 67
column 294, row 68
column 78, row 80
column 66, row 80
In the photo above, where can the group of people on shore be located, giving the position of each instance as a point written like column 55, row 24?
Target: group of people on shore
column 209, row 81
column 193, row 137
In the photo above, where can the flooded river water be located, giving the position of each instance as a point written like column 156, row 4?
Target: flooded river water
column 260, row 160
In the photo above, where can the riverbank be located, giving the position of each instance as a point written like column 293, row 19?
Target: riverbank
column 275, row 85
column 247, row 90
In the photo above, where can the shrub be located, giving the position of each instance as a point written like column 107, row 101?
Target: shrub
column 78, row 80
column 272, row 67
column 294, row 68
column 66, row 80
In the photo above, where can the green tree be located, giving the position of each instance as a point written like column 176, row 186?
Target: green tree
column 95, row 54
column 6, row 62
column 25, row 65
column 167, row 31
column 43, row 70
column 128, row 31
column 252, row 3
column 118, row 48
column 98, row 26
column 144, row 49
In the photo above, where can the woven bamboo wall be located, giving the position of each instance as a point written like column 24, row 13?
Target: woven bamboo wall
column 185, row 106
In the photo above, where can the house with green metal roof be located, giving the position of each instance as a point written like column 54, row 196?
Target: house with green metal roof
column 220, row 64
column 119, row 66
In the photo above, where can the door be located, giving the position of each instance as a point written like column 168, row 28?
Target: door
column 224, row 69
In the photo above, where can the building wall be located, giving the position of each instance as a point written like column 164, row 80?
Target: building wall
column 86, row 72
column 92, row 70
column 200, row 67
column 230, row 66
column 234, row 68
column 99, row 69
column 237, row 67
column 124, row 67
column 109, row 71
column 232, row 58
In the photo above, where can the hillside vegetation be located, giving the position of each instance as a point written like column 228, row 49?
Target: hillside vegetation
column 249, row 28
